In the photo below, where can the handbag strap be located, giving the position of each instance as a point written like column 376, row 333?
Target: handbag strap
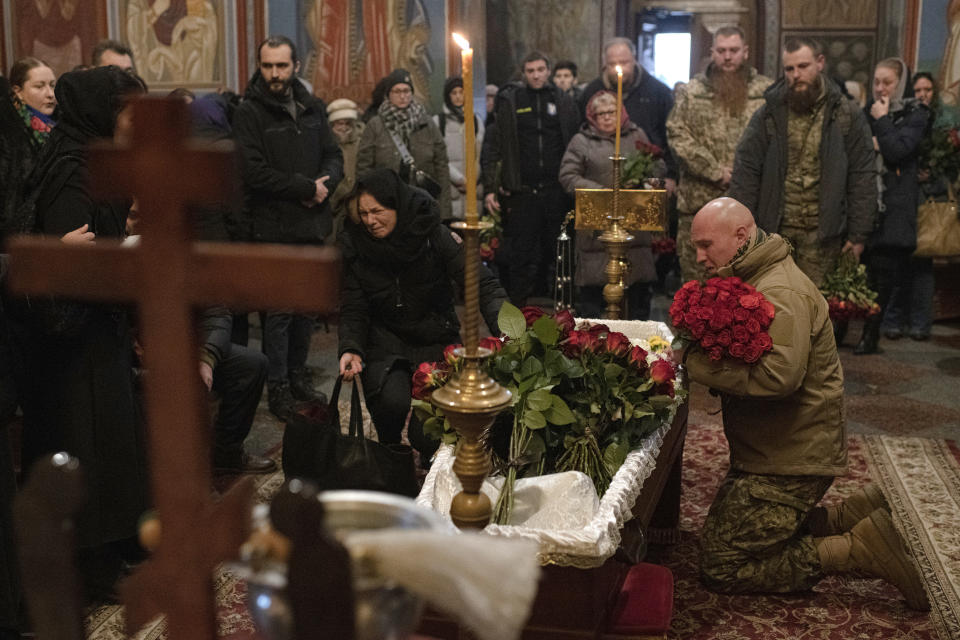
column 356, row 410
column 333, row 407
column 402, row 148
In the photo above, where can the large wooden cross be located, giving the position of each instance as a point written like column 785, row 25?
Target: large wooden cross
column 167, row 277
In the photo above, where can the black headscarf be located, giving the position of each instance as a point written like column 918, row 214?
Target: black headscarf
column 90, row 100
column 418, row 216
column 448, row 86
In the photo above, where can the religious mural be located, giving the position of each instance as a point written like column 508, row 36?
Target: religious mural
column 354, row 44
column 60, row 32
column 845, row 14
column 176, row 43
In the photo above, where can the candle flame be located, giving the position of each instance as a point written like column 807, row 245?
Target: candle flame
column 619, row 70
column 462, row 42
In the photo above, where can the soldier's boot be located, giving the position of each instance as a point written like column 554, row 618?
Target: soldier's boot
column 874, row 547
column 840, row 518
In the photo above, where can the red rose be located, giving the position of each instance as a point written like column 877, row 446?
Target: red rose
column 638, row 358
column 715, row 282
column 565, row 321
column 716, row 353
column 598, row 328
column 690, row 285
column 751, row 352
column 591, row 341
column 573, row 344
column 724, row 297
column 733, row 281
column 426, row 378
column 708, row 340
column 690, row 318
column 486, row 253
column 737, row 350
column 753, row 326
column 704, row 313
column 722, row 317
column 617, row 344
column 532, row 314
column 710, row 291
column 724, row 337
column 494, row 242
column 491, row 343
column 750, row 301
column 740, row 314
column 767, row 307
column 740, row 334
column 662, row 371
column 763, row 341
column 449, row 356
column 698, row 328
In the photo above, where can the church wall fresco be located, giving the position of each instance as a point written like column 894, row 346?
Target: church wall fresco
column 60, row 32
column 938, row 45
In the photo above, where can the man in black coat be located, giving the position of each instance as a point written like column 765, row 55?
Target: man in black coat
column 535, row 122
column 647, row 100
column 291, row 163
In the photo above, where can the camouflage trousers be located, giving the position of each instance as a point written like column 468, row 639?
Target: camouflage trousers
column 814, row 257
column 689, row 269
column 754, row 539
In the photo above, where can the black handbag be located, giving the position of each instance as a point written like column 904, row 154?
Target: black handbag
column 314, row 448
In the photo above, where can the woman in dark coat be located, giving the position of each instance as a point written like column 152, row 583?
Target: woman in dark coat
column 397, row 301
column 898, row 127
column 79, row 394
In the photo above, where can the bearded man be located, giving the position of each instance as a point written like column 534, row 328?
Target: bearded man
column 291, row 165
column 805, row 164
column 709, row 115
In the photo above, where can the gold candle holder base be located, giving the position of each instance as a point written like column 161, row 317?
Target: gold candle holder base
column 616, row 241
column 471, row 400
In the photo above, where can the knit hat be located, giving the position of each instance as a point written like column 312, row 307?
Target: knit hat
column 398, row 76
column 342, row 109
column 492, row 89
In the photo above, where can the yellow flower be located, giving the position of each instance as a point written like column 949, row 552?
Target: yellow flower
column 657, row 343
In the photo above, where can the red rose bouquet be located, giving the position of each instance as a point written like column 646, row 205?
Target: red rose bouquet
column 725, row 316
column 583, row 397
column 665, row 246
column 847, row 292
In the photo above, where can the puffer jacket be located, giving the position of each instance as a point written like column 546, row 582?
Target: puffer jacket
column 586, row 165
column 848, row 191
column 782, row 415
column 282, row 157
column 426, row 145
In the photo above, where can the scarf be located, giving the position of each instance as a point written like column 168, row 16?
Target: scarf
column 401, row 121
column 38, row 124
column 418, row 216
column 756, row 240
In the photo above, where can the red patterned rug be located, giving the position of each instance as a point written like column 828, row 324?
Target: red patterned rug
column 839, row 608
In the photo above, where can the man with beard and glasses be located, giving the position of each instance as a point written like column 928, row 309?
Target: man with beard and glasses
column 707, row 120
column 291, row 164
column 805, row 165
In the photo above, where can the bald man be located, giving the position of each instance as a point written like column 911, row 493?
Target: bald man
column 783, row 418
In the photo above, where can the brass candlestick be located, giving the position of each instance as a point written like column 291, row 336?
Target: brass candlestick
column 471, row 399
column 615, row 240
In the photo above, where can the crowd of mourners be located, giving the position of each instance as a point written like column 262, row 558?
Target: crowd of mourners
column 829, row 171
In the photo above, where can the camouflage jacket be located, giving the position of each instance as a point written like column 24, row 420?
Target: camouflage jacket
column 704, row 137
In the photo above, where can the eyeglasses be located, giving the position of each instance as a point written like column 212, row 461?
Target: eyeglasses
column 606, row 114
column 401, row 92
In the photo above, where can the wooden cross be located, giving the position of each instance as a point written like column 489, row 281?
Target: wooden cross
column 167, row 276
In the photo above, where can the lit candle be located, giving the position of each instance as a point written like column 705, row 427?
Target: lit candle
column 616, row 144
column 469, row 149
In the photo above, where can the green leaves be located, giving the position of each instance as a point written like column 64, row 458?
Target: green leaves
column 539, row 400
column 534, row 420
column 511, row 321
column 559, row 413
column 546, row 330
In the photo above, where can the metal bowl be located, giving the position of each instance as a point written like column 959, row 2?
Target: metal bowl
column 384, row 610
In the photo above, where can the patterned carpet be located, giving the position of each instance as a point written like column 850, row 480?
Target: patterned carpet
column 838, row 608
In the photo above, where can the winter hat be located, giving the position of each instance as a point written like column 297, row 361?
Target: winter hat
column 397, row 76
column 448, row 86
column 342, row 109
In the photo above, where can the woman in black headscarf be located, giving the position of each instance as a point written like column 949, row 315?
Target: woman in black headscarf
column 397, row 300
column 79, row 394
